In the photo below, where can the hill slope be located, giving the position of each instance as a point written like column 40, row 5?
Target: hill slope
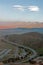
column 32, row 39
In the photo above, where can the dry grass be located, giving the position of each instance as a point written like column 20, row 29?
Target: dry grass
column 32, row 39
column 4, row 45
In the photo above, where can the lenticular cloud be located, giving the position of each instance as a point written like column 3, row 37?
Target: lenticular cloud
column 19, row 7
column 33, row 8
column 23, row 8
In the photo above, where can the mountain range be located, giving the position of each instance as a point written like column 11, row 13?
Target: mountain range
column 4, row 25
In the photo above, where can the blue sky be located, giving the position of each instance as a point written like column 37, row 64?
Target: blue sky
column 21, row 10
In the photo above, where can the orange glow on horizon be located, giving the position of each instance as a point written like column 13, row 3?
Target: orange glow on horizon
column 22, row 25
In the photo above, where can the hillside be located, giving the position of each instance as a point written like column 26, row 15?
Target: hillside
column 32, row 39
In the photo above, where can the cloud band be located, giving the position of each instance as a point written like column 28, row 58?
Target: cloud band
column 30, row 8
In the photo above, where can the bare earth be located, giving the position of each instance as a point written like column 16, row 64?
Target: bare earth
column 19, row 64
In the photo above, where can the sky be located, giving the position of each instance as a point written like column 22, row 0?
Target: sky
column 21, row 10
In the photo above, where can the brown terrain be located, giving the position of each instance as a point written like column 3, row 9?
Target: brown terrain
column 20, row 64
column 21, row 25
column 32, row 39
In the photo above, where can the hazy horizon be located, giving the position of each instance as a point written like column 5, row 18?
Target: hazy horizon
column 5, row 25
column 21, row 13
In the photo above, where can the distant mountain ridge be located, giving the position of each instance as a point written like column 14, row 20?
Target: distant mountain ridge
column 6, row 25
column 10, row 31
